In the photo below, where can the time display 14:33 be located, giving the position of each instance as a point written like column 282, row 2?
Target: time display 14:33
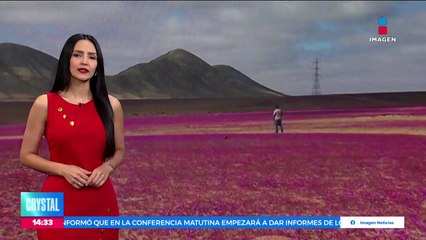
column 42, row 222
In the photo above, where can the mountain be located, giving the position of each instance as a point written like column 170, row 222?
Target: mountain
column 180, row 74
column 26, row 73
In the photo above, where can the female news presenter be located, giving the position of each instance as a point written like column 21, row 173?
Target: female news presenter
column 83, row 126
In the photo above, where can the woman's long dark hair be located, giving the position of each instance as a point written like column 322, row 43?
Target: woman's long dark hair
column 97, row 86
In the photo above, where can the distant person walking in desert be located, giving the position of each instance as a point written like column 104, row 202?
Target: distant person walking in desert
column 277, row 117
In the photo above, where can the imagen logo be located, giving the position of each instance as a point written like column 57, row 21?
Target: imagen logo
column 382, row 31
column 383, row 28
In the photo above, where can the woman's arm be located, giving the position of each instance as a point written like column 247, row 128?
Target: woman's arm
column 101, row 174
column 118, row 157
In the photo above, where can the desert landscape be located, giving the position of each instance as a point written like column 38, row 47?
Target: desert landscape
column 198, row 82
column 353, row 161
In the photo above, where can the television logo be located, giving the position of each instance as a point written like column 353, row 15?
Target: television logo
column 382, row 31
column 383, row 28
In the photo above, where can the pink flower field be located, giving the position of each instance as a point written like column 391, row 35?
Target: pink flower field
column 357, row 162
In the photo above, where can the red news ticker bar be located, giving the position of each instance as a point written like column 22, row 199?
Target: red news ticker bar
column 42, row 222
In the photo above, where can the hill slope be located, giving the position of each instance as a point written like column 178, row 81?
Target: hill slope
column 24, row 72
column 180, row 74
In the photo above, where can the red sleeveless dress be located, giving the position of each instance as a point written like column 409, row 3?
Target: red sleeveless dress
column 75, row 135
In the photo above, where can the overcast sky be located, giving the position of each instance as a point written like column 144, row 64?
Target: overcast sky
column 274, row 43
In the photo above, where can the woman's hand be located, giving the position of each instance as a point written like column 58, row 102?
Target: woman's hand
column 99, row 175
column 76, row 176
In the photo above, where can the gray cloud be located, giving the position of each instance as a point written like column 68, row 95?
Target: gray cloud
column 274, row 43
